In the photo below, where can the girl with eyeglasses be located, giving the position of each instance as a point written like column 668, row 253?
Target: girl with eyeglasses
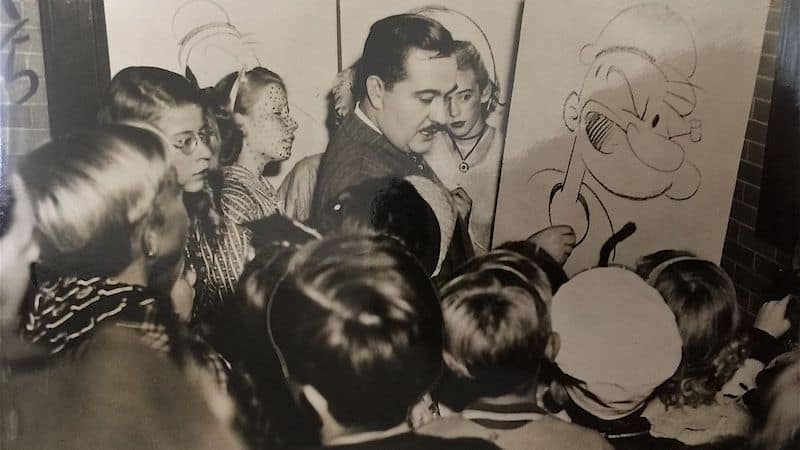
column 175, row 106
column 172, row 104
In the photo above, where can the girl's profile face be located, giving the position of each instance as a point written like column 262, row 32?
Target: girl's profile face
column 268, row 127
column 185, row 130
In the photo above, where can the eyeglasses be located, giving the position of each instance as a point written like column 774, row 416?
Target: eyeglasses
column 187, row 142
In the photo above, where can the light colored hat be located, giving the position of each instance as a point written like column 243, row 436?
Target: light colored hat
column 618, row 337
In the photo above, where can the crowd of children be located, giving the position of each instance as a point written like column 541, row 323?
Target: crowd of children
column 174, row 303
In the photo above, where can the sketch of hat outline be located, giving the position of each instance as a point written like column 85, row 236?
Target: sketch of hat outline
column 205, row 22
column 678, row 53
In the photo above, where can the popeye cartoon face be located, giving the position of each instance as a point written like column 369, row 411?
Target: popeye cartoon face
column 632, row 115
column 629, row 120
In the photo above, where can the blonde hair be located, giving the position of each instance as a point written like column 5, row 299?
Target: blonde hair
column 90, row 190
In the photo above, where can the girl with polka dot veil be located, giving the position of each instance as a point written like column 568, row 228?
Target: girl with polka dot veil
column 256, row 129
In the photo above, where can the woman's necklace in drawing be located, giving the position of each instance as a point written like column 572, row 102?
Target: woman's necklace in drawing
column 464, row 166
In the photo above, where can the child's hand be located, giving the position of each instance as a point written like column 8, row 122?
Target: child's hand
column 557, row 240
column 772, row 319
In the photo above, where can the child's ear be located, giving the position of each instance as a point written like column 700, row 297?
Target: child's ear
column 571, row 105
column 375, row 90
column 553, row 346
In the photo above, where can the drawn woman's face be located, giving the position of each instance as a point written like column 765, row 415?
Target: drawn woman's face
column 465, row 105
column 268, row 127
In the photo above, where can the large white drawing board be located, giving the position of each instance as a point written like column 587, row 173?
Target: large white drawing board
column 296, row 39
column 498, row 20
column 663, row 153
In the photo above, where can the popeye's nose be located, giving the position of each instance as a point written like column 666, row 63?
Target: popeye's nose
column 654, row 150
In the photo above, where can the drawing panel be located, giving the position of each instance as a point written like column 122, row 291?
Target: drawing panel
column 633, row 113
column 466, row 154
column 297, row 40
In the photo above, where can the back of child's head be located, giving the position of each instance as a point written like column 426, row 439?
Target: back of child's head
column 144, row 93
column 357, row 318
column 703, row 299
column 390, row 206
column 619, row 341
column 497, row 328
column 91, row 191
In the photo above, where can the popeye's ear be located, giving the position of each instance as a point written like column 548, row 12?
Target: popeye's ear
column 571, row 111
column 375, row 90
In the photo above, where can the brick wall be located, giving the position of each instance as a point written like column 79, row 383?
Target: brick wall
column 752, row 262
column 25, row 121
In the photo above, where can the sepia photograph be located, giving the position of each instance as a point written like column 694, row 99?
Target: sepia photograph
column 400, row 224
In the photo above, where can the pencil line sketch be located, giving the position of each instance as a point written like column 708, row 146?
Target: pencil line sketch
column 631, row 120
column 209, row 44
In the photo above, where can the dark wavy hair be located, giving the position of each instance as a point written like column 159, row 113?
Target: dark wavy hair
column 703, row 298
column 388, row 43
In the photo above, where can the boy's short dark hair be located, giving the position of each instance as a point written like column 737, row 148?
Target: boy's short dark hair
column 358, row 319
column 387, row 45
column 496, row 326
